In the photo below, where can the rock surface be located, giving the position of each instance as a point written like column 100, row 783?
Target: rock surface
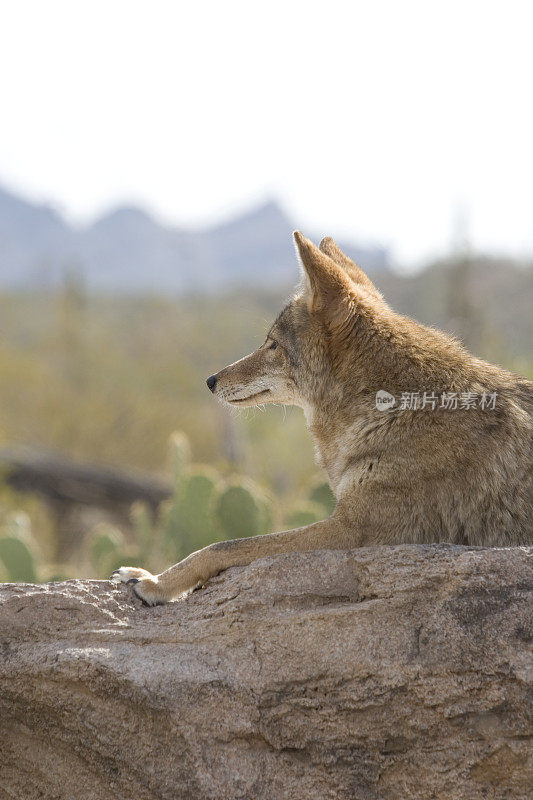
column 387, row 672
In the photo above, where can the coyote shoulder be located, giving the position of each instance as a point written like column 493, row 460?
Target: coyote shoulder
column 421, row 441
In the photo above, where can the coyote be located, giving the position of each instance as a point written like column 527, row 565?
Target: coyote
column 421, row 441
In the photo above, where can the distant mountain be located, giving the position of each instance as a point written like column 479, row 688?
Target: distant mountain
column 129, row 251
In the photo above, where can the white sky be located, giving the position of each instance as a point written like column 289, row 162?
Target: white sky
column 374, row 120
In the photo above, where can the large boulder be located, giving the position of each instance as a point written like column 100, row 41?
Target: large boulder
column 384, row 672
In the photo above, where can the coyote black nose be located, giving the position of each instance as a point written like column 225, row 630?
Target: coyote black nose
column 212, row 382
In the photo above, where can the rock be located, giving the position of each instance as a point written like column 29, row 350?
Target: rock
column 384, row 672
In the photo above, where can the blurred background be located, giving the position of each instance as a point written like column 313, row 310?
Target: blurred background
column 154, row 160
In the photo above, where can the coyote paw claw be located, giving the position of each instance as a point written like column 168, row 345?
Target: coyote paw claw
column 144, row 584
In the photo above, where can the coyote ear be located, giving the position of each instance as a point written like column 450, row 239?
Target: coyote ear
column 331, row 249
column 328, row 282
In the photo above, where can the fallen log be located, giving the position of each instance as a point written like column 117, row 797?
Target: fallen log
column 65, row 482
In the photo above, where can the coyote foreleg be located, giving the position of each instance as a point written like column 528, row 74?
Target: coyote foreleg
column 334, row 533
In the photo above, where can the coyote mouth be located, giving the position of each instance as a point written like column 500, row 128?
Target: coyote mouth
column 237, row 400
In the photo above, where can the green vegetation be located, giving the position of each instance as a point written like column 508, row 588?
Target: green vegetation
column 204, row 507
column 107, row 380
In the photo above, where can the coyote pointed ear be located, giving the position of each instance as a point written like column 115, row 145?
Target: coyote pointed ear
column 328, row 282
column 331, row 249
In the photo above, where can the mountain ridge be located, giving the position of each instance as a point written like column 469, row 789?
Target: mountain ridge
column 128, row 250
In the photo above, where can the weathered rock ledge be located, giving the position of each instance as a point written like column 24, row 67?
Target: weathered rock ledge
column 389, row 672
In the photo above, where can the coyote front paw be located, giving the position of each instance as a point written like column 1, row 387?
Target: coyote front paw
column 144, row 584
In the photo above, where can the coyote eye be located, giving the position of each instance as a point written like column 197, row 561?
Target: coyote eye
column 273, row 345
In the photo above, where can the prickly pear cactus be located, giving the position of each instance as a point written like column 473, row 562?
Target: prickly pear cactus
column 190, row 520
column 306, row 514
column 107, row 551
column 16, row 549
column 239, row 511
column 322, row 494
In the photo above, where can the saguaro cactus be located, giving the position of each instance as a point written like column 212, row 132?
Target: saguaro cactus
column 147, row 534
column 179, row 455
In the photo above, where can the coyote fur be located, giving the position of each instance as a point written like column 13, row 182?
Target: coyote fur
column 447, row 470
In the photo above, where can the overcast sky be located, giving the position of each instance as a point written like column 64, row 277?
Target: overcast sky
column 374, row 120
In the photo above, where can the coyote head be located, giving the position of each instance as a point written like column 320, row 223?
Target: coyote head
column 308, row 354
